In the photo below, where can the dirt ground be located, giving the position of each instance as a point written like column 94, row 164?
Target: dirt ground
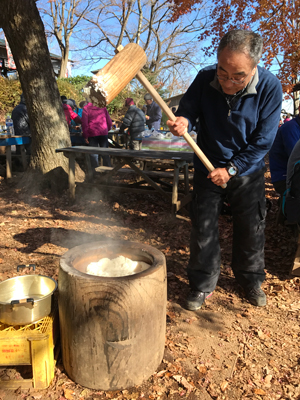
column 228, row 350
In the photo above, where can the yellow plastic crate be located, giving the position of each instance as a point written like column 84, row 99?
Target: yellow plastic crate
column 31, row 344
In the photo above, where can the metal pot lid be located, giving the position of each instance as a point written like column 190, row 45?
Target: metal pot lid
column 37, row 287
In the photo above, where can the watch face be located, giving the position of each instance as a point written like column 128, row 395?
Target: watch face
column 232, row 171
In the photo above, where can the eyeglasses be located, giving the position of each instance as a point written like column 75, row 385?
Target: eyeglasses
column 233, row 80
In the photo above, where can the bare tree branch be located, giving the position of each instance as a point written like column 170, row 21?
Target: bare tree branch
column 64, row 16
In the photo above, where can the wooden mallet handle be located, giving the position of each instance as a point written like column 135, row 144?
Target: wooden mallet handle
column 147, row 85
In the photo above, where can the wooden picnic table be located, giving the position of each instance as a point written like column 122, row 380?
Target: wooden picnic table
column 114, row 136
column 118, row 139
column 14, row 141
column 122, row 157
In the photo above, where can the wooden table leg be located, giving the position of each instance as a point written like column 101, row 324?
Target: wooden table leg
column 8, row 162
column 147, row 178
column 72, row 176
column 186, row 178
column 23, row 156
column 89, row 169
column 175, row 188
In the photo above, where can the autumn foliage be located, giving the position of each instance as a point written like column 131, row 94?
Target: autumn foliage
column 277, row 22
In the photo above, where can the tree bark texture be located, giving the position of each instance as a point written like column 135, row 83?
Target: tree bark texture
column 112, row 329
column 64, row 63
column 25, row 33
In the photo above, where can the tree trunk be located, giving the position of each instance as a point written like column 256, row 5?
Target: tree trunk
column 64, row 62
column 25, row 33
column 296, row 102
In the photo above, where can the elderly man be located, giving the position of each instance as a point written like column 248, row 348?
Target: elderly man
column 153, row 113
column 238, row 105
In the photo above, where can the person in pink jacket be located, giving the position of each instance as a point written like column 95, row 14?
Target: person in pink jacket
column 96, row 123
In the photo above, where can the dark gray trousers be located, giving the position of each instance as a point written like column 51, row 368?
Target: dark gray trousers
column 246, row 196
column 135, row 144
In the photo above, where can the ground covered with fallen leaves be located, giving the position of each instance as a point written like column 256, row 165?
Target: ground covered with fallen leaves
column 227, row 350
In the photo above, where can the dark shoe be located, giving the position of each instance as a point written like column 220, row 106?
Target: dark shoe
column 257, row 297
column 195, row 300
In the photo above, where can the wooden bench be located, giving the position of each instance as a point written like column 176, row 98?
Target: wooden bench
column 153, row 174
column 14, row 141
column 154, row 179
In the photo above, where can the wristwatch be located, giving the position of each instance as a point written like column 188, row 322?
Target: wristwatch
column 231, row 169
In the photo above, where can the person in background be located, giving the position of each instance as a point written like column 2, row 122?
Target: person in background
column 96, row 123
column 287, row 118
column 153, row 114
column 69, row 113
column 75, row 108
column 144, row 109
column 135, row 121
column 286, row 138
column 21, row 122
column 74, row 127
column 73, row 105
column 248, row 101
column 173, row 109
column 292, row 195
column 82, row 104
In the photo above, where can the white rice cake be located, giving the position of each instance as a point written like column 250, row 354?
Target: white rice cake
column 120, row 266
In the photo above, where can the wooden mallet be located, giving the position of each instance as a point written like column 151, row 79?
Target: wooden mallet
column 108, row 82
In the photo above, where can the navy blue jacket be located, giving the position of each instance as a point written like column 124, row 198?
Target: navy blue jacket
column 287, row 136
column 20, row 119
column 154, row 114
column 293, row 159
column 243, row 134
column 135, row 120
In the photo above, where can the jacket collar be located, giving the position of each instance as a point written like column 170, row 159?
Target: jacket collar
column 250, row 89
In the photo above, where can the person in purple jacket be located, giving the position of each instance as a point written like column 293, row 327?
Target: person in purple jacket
column 238, row 105
column 96, row 123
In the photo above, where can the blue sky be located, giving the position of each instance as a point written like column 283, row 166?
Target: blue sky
column 287, row 105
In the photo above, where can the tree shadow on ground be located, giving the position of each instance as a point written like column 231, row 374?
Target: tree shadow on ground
column 67, row 238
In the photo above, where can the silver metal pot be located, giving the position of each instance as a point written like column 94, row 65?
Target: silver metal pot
column 26, row 299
